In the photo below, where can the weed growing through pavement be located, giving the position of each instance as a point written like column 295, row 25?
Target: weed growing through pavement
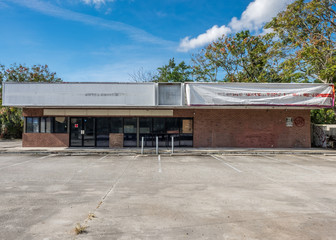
column 79, row 229
column 91, row 216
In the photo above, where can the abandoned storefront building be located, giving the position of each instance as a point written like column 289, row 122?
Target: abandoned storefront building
column 255, row 115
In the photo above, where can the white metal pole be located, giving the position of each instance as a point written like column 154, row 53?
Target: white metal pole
column 142, row 145
column 157, row 145
column 172, row 144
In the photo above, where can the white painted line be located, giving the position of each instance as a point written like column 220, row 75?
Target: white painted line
column 292, row 164
column 83, row 169
column 91, row 163
column 50, row 155
column 102, row 158
column 221, row 160
column 159, row 160
column 16, row 164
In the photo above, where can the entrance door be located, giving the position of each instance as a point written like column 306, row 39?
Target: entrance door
column 82, row 132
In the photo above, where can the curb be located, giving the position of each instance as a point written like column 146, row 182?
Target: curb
column 168, row 152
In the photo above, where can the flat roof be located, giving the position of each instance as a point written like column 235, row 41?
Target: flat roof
column 168, row 95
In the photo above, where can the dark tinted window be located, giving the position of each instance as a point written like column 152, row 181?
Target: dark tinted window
column 130, row 125
column 103, row 131
column 60, row 125
column 145, row 125
column 29, row 124
column 36, row 124
column 116, row 125
column 49, row 124
column 159, row 125
column 173, row 125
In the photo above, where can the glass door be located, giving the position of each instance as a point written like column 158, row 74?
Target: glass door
column 89, row 136
column 76, row 138
column 82, row 132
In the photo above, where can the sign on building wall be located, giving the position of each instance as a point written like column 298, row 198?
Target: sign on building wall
column 259, row 94
column 79, row 94
column 289, row 122
column 163, row 94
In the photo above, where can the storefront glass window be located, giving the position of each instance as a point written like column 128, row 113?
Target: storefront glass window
column 60, row 125
column 49, row 125
column 29, row 123
column 116, row 125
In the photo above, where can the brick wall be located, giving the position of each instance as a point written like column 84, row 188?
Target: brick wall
column 264, row 128
column 32, row 112
column 45, row 140
column 116, row 140
column 249, row 128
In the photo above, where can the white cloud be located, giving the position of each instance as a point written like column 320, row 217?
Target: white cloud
column 3, row 5
column 253, row 18
column 257, row 14
column 97, row 3
column 134, row 33
column 202, row 39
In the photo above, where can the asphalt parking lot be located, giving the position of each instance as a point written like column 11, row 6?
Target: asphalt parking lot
column 171, row 197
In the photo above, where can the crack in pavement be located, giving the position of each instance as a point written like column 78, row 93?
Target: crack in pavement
column 111, row 189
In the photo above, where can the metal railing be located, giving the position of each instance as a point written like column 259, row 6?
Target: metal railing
column 156, row 145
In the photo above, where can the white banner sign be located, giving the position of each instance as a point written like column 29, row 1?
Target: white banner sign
column 260, row 94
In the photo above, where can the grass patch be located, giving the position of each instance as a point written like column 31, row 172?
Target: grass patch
column 91, row 216
column 80, row 229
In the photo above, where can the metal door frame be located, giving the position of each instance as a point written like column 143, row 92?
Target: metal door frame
column 82, row 129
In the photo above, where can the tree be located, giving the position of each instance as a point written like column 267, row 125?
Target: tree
column 173, row 72
column 323, row 116
column 307, row 35
column 142, row 76
column 10, row 117
column 239, row 58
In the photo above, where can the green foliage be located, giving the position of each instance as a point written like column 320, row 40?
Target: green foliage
column 21, row 73
column 11, row 122
column 173, row 72
column 306, row 32
column 240, row 58
column 323, row 116
column 11, row 118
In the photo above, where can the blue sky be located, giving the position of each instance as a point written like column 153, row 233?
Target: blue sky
column 107, row 40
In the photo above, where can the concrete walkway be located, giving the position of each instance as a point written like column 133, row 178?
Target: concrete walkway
column 15, row 147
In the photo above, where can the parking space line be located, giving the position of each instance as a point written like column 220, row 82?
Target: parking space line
column 159, row 160
column 86, row 167
column 99, row 159
column 221, row 160
column 50, row 155
column 102, row 158
column 15, row 164
column 292, row 164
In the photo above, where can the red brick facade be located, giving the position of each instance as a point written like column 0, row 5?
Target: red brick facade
column 116, row 140
column 45, row 140
column 32, row 112
column 256, row 128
